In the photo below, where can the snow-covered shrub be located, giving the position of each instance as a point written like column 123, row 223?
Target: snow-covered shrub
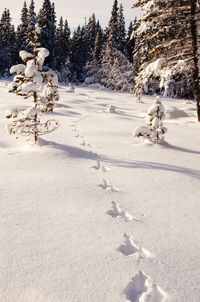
column 33, row 80
column 154, row 131
column 26, row 122
column 110, row 108
column 71, row 88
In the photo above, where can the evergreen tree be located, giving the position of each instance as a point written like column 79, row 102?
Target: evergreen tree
column 7, row 41
column 67, row 38
column 163, row 48
column 90, row 32
column 154, row 131
column 62, row 49
column 47, row 22
column 31, row 21
column 121, row 37
column 130, row 43
column 115, row 72
column 33, row 80
column 59, row 51
column 93, row 64
column 79, row 54
column 21, row 35
column 98, row 44
column 113, row 26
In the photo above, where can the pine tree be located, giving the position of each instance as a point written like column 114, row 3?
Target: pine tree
column 59, row 51
column 130, row 43
column 116, row 72
column 79, row 54
column 113, row 26
column 90, row 34
column 93, row 64
column 62, row 49
column 31, row 21
column 121, row 30
column 21, row 35
column 163, row 48
column 98, row 44
column 67, row 35
column 47, row 22
column 33, row 80
column 154, row 131
column 7, row 41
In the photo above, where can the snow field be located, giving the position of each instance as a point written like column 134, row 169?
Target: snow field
column 67, row 203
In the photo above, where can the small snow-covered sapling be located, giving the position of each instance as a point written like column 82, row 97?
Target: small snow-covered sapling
column 27, row 123
column 110, row 108
column 154, row 131
column 33, row 80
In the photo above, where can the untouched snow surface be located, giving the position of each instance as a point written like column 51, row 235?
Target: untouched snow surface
column 67, row 204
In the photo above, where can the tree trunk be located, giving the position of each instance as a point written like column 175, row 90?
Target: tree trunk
column 35, row 119
column 196, row 58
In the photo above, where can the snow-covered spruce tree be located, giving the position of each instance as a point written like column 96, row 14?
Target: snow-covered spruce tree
column 79, row 53
column 121, row 30
column 163, row 48
column 116, row 72
column 62, row 52
column 130, row 43
column 154, row 131
column 22, row 34
column 47, row 22
column 33, row 80
column 113, row 25
column 31, row 22
column 98, row 44
column 96, row 38
column 90, row 35
column 7, row 42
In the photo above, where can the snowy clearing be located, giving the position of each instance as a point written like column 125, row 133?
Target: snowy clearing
column 67, row 203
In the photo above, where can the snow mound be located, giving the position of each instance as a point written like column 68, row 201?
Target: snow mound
column 141, row 131
column 95, row 86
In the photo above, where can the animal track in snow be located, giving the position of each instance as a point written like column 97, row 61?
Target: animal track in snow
column 108, row 186
column 74, row 125
column 99, row 166
column 142, row 289
column 85, row 143
column 117, row 212
column 130, row 248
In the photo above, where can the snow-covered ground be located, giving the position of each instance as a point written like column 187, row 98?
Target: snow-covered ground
column 93, row 214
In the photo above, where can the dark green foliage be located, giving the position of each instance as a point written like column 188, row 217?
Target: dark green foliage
column 21, row 35
column 130, row 43
column 7, row 42
column 31, row 21
column 62, row 45
column 121, row 38
column 79, row 52
column 47, row 21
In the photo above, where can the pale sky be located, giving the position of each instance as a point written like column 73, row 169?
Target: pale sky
column 74, row 10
